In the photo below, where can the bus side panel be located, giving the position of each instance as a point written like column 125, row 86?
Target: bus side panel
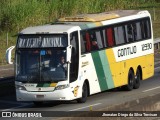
column 124, row 57
column 102, row 66
column 117, row 69
column 150, row 65
column 146, row 62
column 134, row 63
column 88, row 72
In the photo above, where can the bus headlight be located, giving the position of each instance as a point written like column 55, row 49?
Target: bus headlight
column 18, row 87
column 60, row 87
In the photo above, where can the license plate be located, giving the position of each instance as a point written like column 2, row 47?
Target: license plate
column 39, row 96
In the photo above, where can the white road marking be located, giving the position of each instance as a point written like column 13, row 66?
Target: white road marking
column 151, row 89
column 156, row 68
column 85, row 107
column 6, row 69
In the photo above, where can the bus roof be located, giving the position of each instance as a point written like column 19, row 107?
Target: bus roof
column 47, row 29
column 101, row 16
column 90, row 17
column 84, row 21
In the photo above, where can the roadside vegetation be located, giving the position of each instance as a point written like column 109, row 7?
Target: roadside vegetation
column 16, row 15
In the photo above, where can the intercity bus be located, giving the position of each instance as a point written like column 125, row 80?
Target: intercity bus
column 78, row 56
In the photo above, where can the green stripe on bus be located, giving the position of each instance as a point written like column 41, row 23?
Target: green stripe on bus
column 84, row 26
column 43, row 85
column 46, row 85
column 99, row 71
column 106, row 68
column 91, row 25
column 39, row 85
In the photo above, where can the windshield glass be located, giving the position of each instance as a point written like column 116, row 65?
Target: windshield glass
column 41, row 65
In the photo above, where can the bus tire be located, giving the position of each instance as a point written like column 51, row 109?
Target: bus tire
column 38, row 103
column 83, row 99
column 131, row 80
column 137, row 80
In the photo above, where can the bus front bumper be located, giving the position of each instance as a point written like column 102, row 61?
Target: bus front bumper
column 57, row 95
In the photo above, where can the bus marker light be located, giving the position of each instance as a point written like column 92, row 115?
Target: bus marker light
column 53, row 84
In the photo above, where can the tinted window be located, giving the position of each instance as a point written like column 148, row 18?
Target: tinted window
column 94, row 40
column 145, row 25
column 83, row 44
column 138, row 31
column 119, row 35
column 110, row 37
column 75, row 56
column 104, row 37
column 88, row 42
column 99, row 39
column 129, row 33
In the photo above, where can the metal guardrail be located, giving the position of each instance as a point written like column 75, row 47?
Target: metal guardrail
column 157, row 43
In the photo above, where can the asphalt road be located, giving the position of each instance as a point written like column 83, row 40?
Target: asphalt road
column 6, row 71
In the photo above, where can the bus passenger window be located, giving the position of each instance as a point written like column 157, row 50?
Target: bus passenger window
column 104, row 38
column 75, row 57
column 110, row 37
column 94, row 44
column 88, row 43
column 137, row 31
column 100, row 42
column 119, row 35
column 83, row 43
column 129, row 33
column 148, row 28
column 145, row 26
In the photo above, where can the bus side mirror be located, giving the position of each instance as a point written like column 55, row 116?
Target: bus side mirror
column 9, row 55
column 69, row 51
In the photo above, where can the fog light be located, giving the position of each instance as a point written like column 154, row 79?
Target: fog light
column 62, row 98
column 18, row 87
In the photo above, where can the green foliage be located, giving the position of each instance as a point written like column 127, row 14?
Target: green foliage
column 16, row 15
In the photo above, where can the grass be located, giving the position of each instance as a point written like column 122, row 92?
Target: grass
column 16, row 15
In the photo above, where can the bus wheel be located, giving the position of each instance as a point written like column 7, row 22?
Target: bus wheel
column 83, row 99
column 131, row 80
column 137, row 80
column 38, row 103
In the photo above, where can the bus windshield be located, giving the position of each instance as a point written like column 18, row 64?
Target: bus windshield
column 41, row 65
